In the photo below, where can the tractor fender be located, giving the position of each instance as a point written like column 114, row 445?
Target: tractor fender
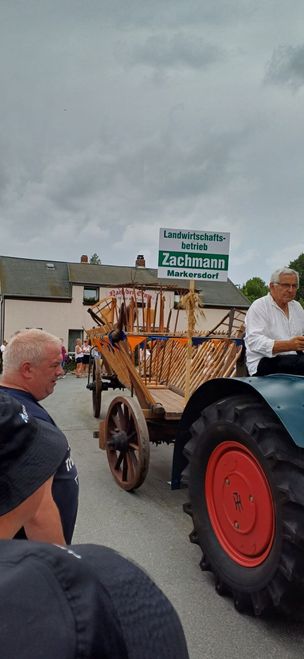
column 283, row 393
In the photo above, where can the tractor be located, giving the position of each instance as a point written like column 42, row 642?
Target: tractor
column 240, row 448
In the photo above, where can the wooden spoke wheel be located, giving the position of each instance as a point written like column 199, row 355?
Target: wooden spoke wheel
column 97, row 387
column 127, row 438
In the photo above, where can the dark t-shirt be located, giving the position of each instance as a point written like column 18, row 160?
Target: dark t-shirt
column 65, row 484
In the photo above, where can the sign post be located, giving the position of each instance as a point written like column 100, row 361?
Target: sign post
column 189, row 348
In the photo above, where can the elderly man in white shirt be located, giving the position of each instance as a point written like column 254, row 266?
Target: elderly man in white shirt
column 274, row 328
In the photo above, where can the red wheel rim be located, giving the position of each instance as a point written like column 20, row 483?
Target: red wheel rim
column 240, row 504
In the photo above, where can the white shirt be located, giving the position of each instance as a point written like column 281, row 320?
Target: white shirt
column 266, row 323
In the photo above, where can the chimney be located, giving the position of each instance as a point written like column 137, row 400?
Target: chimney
column 140, row 261
column 84, row 259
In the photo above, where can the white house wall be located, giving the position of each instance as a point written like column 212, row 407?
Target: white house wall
column 52, row 317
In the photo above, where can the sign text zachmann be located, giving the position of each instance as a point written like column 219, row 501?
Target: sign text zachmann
column 193, row 254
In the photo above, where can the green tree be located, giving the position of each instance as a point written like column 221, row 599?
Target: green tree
column 95, row 259
column 298, row 265
column 254, row 288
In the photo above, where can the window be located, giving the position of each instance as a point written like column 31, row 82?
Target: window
column 90, row 294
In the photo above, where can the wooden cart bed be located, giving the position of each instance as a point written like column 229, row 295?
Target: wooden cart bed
column 172, row 402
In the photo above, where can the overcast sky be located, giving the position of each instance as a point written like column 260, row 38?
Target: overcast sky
column 118, row 117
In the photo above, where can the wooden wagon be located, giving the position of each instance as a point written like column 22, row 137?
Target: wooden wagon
column 160, row 371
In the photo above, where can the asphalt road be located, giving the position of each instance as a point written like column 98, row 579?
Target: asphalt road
column 150, row 527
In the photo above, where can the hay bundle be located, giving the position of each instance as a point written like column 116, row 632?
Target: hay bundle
column 191, row 303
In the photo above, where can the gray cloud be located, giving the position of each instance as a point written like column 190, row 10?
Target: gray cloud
column 119, row 117
column 150, row 173
column 286, row 67
column 176, row 51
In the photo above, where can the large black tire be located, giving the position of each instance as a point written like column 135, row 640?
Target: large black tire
column 246, row 486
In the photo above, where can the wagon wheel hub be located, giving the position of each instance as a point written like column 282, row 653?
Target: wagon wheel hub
column 119, row 441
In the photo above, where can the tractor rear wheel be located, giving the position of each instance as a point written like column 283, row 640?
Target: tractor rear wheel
column 246, row 486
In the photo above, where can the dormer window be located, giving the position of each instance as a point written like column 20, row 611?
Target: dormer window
column 90, row 294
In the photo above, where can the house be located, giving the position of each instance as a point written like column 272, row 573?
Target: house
column 55, row 295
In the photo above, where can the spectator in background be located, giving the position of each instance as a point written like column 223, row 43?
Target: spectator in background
column 78, row 358
column 86, row 349
column 63, row 353
column 31, row 367
column 2, row 348
column 64, row 358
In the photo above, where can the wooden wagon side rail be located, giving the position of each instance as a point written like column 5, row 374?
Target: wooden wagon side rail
column 148, row 363
column 217, row 359
column 164, row 364
column 117, row 358
column 212, row 359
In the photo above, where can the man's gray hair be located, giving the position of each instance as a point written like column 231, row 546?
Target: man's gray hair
column 275, row 277
column 27, row 346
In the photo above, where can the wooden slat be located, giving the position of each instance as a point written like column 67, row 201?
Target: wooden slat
column 212, row 359
column 172, row 403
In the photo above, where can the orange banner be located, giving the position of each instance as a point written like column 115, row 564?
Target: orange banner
column 133, row 341
column 180, row 340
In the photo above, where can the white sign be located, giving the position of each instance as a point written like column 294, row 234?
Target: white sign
column 197, row 254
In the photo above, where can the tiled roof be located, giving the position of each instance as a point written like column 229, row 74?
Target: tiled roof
column 112, row 275
column 28, row 278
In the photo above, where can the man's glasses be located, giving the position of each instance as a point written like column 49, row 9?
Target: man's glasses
column 293, row 286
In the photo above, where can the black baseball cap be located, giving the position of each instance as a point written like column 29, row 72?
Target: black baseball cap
column 31, row 451
column 82, row 601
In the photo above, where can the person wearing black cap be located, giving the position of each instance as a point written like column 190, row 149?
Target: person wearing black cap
column 31, row 367
column 30, row 453
column 83, row 601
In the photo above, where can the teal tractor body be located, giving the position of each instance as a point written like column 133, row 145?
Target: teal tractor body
column 240, row 449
